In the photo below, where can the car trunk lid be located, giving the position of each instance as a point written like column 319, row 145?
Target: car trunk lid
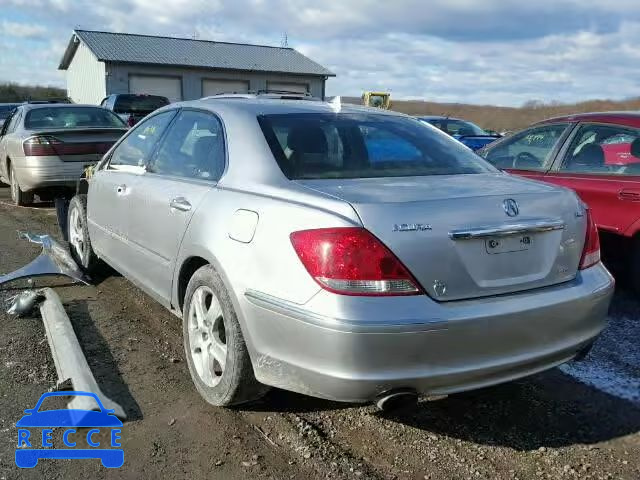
column 454, row 234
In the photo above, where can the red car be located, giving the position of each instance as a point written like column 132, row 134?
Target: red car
column 598, row 156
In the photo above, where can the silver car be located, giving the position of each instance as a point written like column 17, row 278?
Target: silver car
column 45, row 147
column 347, row 253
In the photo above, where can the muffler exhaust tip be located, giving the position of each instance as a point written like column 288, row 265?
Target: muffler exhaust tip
column 397, row 399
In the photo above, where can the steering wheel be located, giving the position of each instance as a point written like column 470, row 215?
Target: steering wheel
column 527, row 159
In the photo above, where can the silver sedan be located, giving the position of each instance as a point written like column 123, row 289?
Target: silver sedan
column 341, row 252
column 44, row 146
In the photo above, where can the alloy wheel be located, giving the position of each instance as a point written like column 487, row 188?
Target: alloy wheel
column 207, row 336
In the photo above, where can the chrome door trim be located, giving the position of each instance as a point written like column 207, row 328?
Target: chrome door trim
column 527, row 226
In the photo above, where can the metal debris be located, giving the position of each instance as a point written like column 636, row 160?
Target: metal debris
column 54, row 260
column 25, row 302
column 71, row 365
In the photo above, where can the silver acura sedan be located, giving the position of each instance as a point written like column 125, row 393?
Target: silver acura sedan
column 347, row 253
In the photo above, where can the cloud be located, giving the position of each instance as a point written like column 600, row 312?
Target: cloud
column 496, row 51
column 21, row 30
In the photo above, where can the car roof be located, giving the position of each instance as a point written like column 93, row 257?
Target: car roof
column 440, row 117
column 34, row 106
column 629, row 118
column 267, row 106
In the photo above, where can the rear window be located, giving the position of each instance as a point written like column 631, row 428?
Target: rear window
column 5, row 110
column 71, row 117
column 327, row 145
column 139, row 103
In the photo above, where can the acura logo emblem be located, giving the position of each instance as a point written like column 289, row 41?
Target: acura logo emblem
column 511, row 207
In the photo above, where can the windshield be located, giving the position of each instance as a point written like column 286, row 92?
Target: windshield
column 317, row 146
column 5, row 110
column 71, row 117
column 139, row 103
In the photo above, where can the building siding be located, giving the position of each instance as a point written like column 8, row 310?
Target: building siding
column 117, row 78
column 86, row 77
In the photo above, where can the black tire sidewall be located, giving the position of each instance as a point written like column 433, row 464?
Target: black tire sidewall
column 238, row 384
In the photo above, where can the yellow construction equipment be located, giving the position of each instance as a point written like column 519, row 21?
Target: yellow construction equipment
column 377, row 99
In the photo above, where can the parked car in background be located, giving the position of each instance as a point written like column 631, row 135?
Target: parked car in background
column 45, row 147
column 299, row 255
column 598, row 156
column 466, row 132
column 131, row 107
column 5, row 110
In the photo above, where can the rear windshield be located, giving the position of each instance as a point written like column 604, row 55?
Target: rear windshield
column 71, row 117
column 5, row 110
column 328, row 145
column 139, row 103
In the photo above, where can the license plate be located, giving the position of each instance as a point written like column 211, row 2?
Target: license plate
column 515, row 243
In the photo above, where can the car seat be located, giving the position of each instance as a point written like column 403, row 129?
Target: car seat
column 309, row 149
column 589, row 158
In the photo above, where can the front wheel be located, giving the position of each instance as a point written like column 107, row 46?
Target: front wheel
column 19, row 197
column 216, row 352
column 78, row 232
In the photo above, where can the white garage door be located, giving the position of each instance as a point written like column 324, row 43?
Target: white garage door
column 170, row 87
column 214, row 87
column 288, row 87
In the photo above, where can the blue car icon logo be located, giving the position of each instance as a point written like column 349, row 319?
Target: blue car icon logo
column 35, row 431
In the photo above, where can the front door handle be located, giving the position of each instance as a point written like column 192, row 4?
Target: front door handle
column 630, row 194
column 180, row 203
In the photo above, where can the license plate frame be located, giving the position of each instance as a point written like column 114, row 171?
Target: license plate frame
column 508, row 244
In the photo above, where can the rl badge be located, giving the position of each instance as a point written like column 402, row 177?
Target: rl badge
column 83, row 433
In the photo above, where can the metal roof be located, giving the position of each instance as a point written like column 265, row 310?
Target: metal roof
column 147, row 49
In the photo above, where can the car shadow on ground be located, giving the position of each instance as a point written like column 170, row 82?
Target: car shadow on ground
column 548, row 410
column 98, row 354
column 283, row 401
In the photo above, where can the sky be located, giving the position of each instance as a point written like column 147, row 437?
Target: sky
column 499, row 52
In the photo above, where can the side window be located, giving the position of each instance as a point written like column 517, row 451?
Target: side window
column 192, row 148
column 140, row 143
column 604, row 149
column 528, row 150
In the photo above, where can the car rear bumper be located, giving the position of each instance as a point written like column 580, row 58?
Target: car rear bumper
column 42, row 172
column 436, row 348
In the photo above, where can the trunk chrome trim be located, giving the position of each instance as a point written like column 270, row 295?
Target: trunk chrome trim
column 527, row 226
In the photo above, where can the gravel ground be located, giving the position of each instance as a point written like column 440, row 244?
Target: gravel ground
column 579, row 421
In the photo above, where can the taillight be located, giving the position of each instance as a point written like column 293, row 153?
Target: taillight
column 591, row 250
column 351, row 261
column 40, row 145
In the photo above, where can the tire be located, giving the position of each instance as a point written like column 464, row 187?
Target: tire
column 19, row 197
column 78, row 233
column 213, row 332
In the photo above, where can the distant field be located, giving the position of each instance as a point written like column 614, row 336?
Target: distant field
column 504, row 118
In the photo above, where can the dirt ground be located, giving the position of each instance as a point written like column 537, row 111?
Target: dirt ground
column 581, row 421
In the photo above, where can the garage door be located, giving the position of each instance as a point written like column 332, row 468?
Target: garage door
column 214, row 87
column 288, row 87
column 170, row 87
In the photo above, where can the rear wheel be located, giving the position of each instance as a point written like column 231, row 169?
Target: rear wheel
column 19, row 197
column 78, row 232
column 214, row 346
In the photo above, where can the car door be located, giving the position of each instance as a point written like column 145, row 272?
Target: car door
column 6, row 150
column 529, row 153
column 185, row 167
column 601, row 162
column 110, row 190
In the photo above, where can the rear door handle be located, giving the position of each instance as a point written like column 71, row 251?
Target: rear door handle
column 629, row 194
column 180, row 203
